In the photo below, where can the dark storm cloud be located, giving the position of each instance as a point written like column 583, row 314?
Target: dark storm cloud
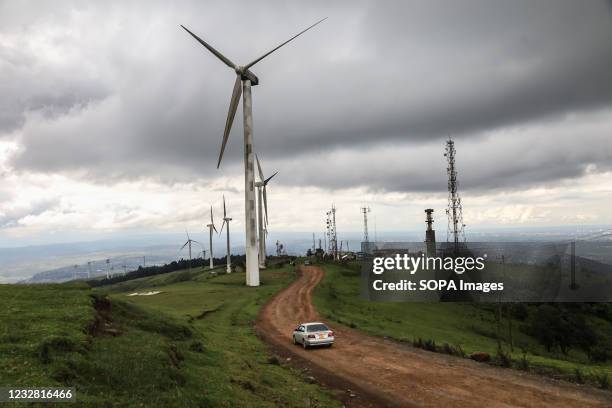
column 136, row 97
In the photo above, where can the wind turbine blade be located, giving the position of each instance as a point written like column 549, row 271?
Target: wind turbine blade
column 211, row 216
column 261, row 176
column 222, row 226
column 236, row 93
column 215, row 229
column 250, row 64
column 211, row 49
column 270, row 178
column 198, row 242
column 184, row 245
column 224, row 212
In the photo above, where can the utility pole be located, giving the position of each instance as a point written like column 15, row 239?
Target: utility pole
column 573, row 284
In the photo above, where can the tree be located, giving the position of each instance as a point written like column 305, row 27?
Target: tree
column 555, row 327
column 544, row 324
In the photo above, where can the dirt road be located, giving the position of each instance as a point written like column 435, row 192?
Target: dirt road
column 381, row 372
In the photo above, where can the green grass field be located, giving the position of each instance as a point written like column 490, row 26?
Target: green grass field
column 472, row 327
column 191, row 345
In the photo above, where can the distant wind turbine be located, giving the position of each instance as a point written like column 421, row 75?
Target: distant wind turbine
column 188, row 244
column 244, row 79
column 226, row 220
column 262, row 202
column 211, row 228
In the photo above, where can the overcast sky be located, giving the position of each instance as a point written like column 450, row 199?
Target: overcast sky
column 111, row 116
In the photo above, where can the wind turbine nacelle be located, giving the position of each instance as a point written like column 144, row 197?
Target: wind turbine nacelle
column 246, row 74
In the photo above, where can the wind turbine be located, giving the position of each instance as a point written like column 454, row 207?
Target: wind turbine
column 188, row 243
column 244, row 79
column 262, row 202
column 211, row 228
column 226, row 220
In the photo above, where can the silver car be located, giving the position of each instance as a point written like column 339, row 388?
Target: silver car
column 313, row 334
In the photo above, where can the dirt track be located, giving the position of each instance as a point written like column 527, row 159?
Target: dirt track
column 381, row 372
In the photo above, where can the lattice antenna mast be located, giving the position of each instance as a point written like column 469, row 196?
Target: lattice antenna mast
column 334, row 233
column 365, row 211
column 332, row 238
column 327, row 232
column 455, row 229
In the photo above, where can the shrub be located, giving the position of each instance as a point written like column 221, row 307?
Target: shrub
column 603, row 381
column 429, row 344
column 523, row 362
column 453, row 350
column 578, row 377
column 503, row 358
column 520, row 311
column 599, row 354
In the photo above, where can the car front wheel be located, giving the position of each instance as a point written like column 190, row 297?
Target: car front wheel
column 294, row 340
column 304, row 344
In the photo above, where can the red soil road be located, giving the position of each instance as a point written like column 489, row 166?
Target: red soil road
column 382, row 372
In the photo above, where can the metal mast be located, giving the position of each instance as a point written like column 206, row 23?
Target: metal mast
column 455, row 229
column 365, row 211
column 325, row 241
column 332, row 238
column 430, row 234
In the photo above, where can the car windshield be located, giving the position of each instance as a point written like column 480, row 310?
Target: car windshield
column 316, row 327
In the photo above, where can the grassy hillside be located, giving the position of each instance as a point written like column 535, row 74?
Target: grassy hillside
column 191, row 345
column 470, row 327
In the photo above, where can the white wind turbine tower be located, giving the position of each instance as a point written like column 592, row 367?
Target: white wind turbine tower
column 244, row 79
column 188, row 244
column 226, row 220
column 262, row 222
column 211, row 228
